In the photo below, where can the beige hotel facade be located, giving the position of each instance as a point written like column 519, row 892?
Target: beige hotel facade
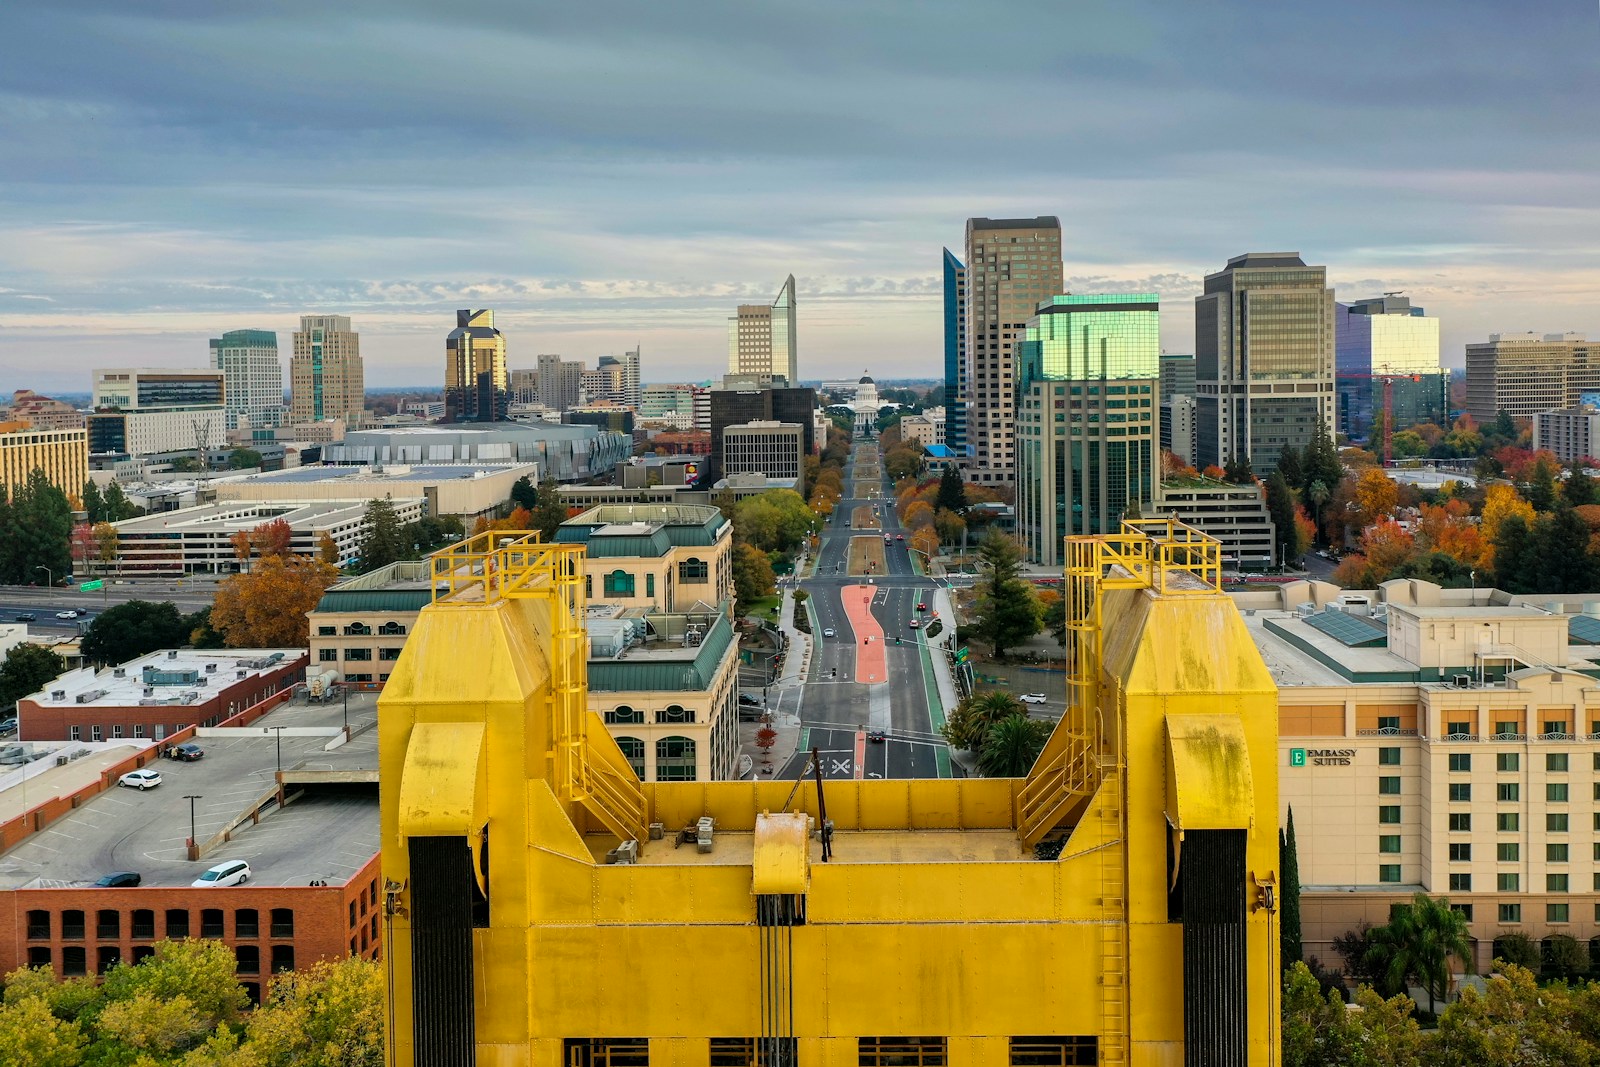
column 1438, row 741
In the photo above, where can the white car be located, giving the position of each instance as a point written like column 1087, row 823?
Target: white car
column 230, row 872
column 140, row 780
column 827, row 631
column 1032, row 698
column 66, row 614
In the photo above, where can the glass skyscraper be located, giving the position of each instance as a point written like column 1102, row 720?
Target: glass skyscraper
column 1387, row 339
column 1088, row 368
column 955, row 354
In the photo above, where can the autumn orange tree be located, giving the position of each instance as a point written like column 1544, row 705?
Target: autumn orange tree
column 267, row 607
column 926, row 541
column 1500, row 502
column 271, row 538
column 1385, row 548
column 1449, row 528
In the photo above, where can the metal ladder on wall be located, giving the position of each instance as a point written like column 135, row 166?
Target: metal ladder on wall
column 1113, row 919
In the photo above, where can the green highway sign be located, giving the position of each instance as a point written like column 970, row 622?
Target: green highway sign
column 961, row 654
column 90, row 587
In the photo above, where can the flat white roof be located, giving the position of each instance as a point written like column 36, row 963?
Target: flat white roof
column 128, row 690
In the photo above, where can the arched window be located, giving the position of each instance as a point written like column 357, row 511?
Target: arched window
column 619, row 583
column 633, row 752
column 675, row 759
column 675, row 713
column 693, row 569
column 358, row 629
column 623, row 713
column 391, row 629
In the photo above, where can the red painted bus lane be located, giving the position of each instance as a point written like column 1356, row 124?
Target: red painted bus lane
column 872, row 662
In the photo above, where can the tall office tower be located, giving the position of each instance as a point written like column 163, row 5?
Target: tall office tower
column 1523, row 374
column 737, row 403
column 326, row 377
column 252, row 377
column 1013, row 265
column 761, row 338
column 476, row 386
column 1386, row 346
column 1177, row 375
column 524, row 386
column 1264, row 346
column 1086, row 434
column 560, row 382
column 147, row 411
column 625, row 377
column 955, row 354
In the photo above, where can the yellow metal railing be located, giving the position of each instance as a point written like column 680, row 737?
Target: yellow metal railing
column 515, row 564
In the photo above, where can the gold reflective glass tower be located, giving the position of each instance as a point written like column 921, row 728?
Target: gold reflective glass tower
column 476, row 385
column 326, row 377
column 1117, row 906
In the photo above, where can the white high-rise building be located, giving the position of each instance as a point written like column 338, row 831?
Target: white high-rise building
column 252, row 376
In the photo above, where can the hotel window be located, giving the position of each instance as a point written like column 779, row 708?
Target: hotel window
column 1388, row 757
column 1555, row 761
column 1511, row 913
column 1389, row 813
column 1508, row 728
column 1389, row 843
column 327, row 655
column 1461, row 883
column 1555, row 792
column 1555, row 726
column 1556, row 883
column 1508, row 792
column 1555, row 822
column 1389, row 785
column 1464, row 909
column 1461, row 852
column 1388, row 722
column 1461, row 761
column 1556, row 913
column 1389, row 872
column 1508, row 852
column 900, row 1052
column 1460, row 792
column 1508, row 882
column 1461, row 822
column 362, row 654
column 619, row 583
column 1459, row 728
column 1507, row 761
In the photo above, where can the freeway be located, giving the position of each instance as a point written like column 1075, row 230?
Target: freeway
column 43, row 602
column 845, row 692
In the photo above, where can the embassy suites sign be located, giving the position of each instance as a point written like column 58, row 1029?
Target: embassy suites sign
column 1321, row 757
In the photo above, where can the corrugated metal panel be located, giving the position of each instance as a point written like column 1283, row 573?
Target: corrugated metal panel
column 376, row 600
column 1216, row 998
column 443, row 1024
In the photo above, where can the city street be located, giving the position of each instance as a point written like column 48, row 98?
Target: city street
column 840, row 702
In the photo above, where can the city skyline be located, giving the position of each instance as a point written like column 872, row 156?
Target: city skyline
column 156, row 157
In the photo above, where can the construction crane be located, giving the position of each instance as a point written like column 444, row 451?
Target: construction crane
column 1388, row 378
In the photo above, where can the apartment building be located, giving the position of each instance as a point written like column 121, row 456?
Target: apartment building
column 1572, row 434
column 63, row 455
column 1526, row 373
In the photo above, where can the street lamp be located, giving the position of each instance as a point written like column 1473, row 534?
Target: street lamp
column 49, row 578
column 279, row 730
column 191, row 798
column 344, row 691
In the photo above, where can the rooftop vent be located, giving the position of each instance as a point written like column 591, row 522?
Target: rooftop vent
column 119, row 672
column 172, row 653
column 211, row 668
column 58, row 694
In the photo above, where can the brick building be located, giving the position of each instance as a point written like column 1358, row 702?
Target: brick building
column 157, row 695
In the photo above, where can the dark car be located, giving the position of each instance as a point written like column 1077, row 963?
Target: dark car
column 27, row 616
column 188, row 752
column 877, row 737
column 8, row 726
column 119, row 880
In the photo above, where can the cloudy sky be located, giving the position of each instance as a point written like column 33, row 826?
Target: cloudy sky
column 605, row 174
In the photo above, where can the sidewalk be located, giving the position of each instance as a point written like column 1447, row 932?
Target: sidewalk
column 784, row 694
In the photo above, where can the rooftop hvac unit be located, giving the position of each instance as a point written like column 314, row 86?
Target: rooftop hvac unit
column 211, row 668
column 119, row 672
column 62, row 761
column 200, row 680
column 1462, row 681
column 241, row 674
column 58, row 694
column 172, row 653
column 1306, row 610
column 149, row 690
column 90, row 696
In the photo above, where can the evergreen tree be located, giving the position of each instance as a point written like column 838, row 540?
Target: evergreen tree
column 41, row 531
column 117, row 506
column 1289, row 905
column 1321, row 460
column 27, row 669
column 523, row 493
column 952, row 493
column 1515, row 564
column 1237, row 470
column 1579, row 488
column 93, row 506
column 383, row 544
column 1280, row 506
column 1560, row 561
column 1541, row 490
column 1010, row 610
column 548, row 510
column 1291, row 467
column 1503, row 430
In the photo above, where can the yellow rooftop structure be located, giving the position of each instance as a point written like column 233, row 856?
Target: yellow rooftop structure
column 1117, row 906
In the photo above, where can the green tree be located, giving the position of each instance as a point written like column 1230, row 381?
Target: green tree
column 524, row 494
column 38, row 532
column 952, row 493
column 1541, row 488
column 774, row 521
column 1011, row 746
column 117, row 506
column 1280, row 506
column 752, row 575
column 904, row 462
column 969, row 724
column 1010, row 612
column 1562, row 563
column 1579, row 488
column 1422, row 936
column 1289, row 904
column 1317, row 493
column 1321, row 460
column 202, row 970
column 242, row 459
column 548, row 510
column 1517, row 1021
column 330, row 1015
column 1320, row 1031
column 30, row 1036
column 1055, row 620
column 201, row 635
column 1565, row 957
column 1292, row 468
column 1515, row 564
column 28, row 669
column 93, row 506
column 383, row 543
column 1237, row 470
column 129, row 630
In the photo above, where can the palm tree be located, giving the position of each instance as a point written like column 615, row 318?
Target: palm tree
column 1318, row 494
column 1420, row 939
column 975, row 716
column 1011, row 745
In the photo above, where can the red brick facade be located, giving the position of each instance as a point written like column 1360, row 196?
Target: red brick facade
column 108, row 722
column 270, row 928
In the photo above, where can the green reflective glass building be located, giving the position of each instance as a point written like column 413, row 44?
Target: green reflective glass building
column 1088, row 370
